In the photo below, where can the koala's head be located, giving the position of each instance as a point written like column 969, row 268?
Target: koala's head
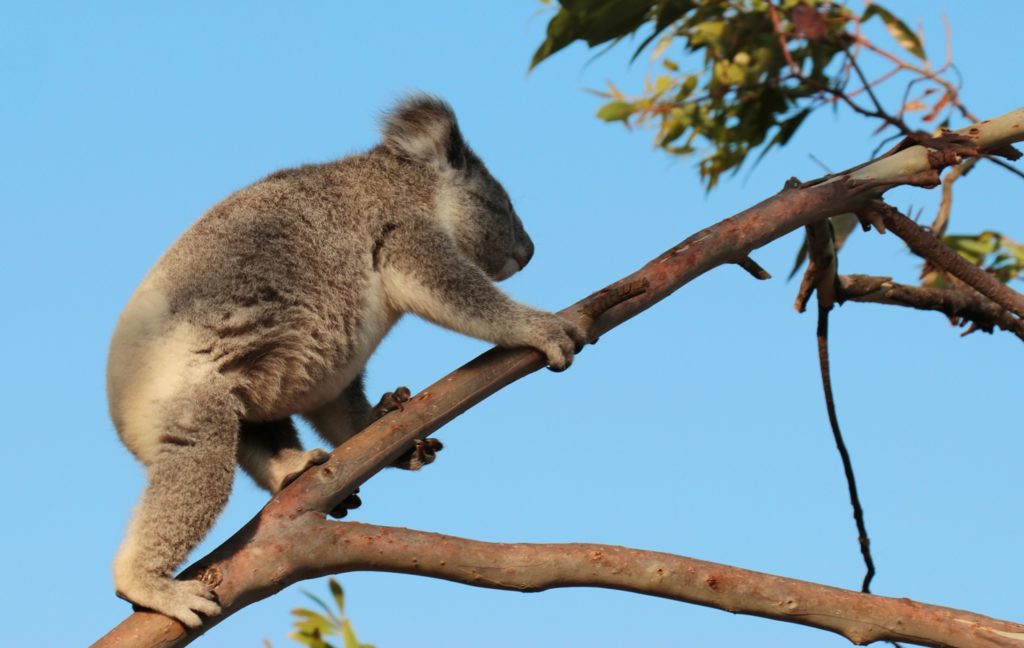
column 470, row 204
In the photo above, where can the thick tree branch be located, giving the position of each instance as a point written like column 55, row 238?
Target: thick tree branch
column 959, row 305
column 250, row 565
column 310, row 546
column 342, row 547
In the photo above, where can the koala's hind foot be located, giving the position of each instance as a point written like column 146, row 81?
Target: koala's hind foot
column 390, row 402
column 182, row 600
column 423, row 452
column 347, row 504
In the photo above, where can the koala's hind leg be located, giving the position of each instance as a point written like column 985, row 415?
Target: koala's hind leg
column 350, row 412
column 272, row 455
column 339, row 419
column 190, row 467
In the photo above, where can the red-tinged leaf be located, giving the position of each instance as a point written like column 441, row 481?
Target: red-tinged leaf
column 937, row 108
column 808, row 22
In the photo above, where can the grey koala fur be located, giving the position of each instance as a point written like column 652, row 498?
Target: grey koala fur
column 271, row 304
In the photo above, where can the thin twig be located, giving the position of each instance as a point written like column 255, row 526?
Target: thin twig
column 755, row 270
column 1006, row 165
column 844, row 454
column 932, row 75
column 946, row 205
column 783, row 43
column 879, row 110
column 821, row 278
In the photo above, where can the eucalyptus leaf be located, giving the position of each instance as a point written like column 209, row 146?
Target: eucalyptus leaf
column 615, row 111
column 904, row 36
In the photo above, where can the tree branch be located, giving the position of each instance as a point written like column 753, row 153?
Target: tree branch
column 310, row 546
column 930, row 247
column 253, row 563
column 960, row 306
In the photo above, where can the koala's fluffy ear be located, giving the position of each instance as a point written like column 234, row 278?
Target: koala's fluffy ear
column 423, row 128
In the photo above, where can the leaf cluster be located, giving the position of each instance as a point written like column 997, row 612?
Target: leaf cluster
column 991, row 251
column 763, row 67
column 311, row 626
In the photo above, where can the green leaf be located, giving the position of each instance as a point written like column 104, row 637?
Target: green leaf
column 906, row 38
column 662, row 83
column 991, row 250
column 311, row 626
column 337, row 593
column 709, row 32
column 349, row 635
column 318, row 601
column 313, row 639
column 615, row 111
column 310, row 623
column 593, row 21
column 668, row 12
column 734, row 74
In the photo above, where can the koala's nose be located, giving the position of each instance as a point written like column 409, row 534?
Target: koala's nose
column 523, row 252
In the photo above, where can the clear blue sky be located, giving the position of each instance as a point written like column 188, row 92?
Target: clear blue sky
column 696, row 429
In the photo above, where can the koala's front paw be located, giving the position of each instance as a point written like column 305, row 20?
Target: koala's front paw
column 390, row 402
column 181, row 600
column 423, row 452
column 556, row 337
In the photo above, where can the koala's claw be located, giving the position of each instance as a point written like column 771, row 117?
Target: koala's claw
column 347, row 504
column 423, row 452
column 390, row 402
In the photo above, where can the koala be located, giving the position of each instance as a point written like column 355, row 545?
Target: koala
column 270, row 305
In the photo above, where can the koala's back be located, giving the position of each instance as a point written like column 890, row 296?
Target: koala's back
column 273, row 289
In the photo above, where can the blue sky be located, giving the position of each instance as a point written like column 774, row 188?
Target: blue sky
column 697, row 428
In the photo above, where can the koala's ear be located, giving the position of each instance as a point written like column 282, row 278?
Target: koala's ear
column 424, row 128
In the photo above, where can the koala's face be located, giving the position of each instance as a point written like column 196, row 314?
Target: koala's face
column 488, row 230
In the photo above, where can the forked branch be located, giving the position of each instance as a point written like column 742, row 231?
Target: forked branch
column 260, row 559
